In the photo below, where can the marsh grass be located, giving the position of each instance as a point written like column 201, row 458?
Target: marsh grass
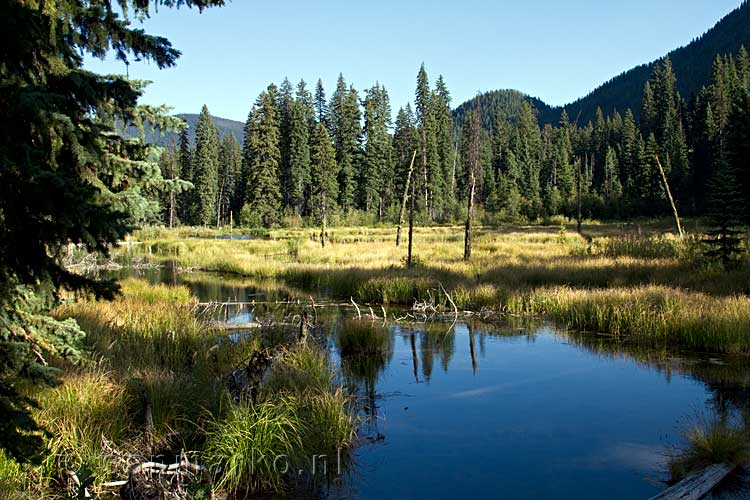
column 154, row 380
column 78, row 414
column 301, row 414
column 15, row 482
column 301, row 369
column 244, row 444
column 635, row 279
column 712, row 442
column 361, row 337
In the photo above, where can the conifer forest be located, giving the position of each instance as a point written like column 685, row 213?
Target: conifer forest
column 350, row 294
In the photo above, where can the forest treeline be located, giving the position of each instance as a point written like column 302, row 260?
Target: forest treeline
column 304, row 155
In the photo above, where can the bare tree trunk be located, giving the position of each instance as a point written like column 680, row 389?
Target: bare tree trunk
column 411, row 225
column 171, row 192
column 474, row 158
column 579, row 197
column 323, row 228
column 671, row 200
column 470, row 215
column 414, row 359
column 403, row 200
column 424, row 168
column 471, row 349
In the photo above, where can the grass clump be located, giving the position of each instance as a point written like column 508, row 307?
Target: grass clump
column 361, row 337
column 252, row 443
column 716, row 442
column 14, row 482
column 85, row 409
column 301, row 369
column 300, row 415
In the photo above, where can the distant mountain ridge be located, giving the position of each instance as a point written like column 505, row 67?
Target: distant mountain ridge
column 225, row 126
column 506, row 102
column 692, row 65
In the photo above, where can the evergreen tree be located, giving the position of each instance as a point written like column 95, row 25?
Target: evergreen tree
column 230, row 166
column 405, row 142
column 445, row 147
column 171, row 187
column 324, row 172
column 305, row 99
column 285, row 100
column 205, row 169
column 298, row 181
column 376, row 175
column 242, row 195
column 472, row 146
column 509, row 192
column 526, row 145
column 321, row 107
column 67, row 177
column 612, row 189
column 425, row 128
column 263, row 190
column 563, row 176
column 185, row 200
column 737, row 147
column 629, row 160
column 650, row 182
column 345, row 126
column 648, row 111
column 725, row 205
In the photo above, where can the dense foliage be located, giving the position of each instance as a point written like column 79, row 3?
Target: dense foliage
column 66, row 177
column 609, row 168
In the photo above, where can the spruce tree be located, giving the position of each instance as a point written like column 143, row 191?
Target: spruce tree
column 375, row 181
column 242, row 195
column 405, row 142
column 345, row 127
column 612, row 188
column 67, row 177
column 648, row 114
column 263, row 190
column 230, row 166
column 321, row 107
column 298, row 181
column 725, row 204
column 650, row 182
column 629, row 160
column 526, row 145
column 564, row 176
column 425, row 128
column 285, row 100
column 737, row 149
column 185, row 200
column 324, row 172
column 205, row 169
column 445, row 147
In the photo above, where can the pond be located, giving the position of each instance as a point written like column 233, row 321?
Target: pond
column 515, row 410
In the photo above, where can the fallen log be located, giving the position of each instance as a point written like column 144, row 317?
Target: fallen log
column 696, row 485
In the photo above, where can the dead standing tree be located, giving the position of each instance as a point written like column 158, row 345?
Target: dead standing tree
column 404, row 198
column 473, row 148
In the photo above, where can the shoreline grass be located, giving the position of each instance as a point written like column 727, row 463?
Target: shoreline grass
column 635, row 281
column 154, row 382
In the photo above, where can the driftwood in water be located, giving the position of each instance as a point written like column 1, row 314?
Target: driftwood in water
column 696, row 485
column 157, row 481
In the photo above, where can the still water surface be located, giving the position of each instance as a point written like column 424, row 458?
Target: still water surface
column 515, row 411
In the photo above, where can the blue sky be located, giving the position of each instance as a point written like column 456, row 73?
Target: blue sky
column 555, row 50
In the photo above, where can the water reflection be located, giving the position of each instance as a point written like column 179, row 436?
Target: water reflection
column 513, row 410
